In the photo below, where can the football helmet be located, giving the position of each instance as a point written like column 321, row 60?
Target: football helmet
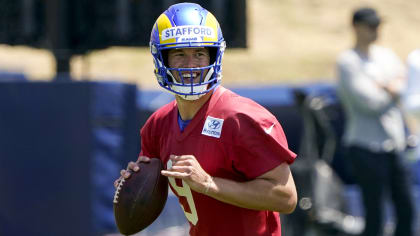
column 187, row 25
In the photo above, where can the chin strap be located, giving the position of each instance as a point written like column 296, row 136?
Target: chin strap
column 183, row 90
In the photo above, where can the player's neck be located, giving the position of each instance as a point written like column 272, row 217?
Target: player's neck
column 363, row 48
column 188, row 109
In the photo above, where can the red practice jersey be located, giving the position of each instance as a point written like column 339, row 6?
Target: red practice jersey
column 232, row 137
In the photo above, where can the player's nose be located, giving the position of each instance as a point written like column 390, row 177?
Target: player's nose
column 190, row 61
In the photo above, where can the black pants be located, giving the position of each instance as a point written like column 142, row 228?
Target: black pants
column 377, row 173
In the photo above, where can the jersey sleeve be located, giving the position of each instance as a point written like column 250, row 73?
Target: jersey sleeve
column 260, row 144
column 149, row 143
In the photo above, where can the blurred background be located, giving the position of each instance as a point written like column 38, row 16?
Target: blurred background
column 289, row 41
column 77, row 84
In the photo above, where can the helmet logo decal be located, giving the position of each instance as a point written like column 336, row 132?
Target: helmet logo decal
column 188, row 33
column 212, row 127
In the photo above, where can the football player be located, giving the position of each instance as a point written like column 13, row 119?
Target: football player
column 226, row 157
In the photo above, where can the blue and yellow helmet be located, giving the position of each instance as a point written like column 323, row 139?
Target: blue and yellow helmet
column 187, row 25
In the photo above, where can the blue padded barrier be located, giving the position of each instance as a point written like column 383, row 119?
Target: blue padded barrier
column 6, row 76
column 61, row 147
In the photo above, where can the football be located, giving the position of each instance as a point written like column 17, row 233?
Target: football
column 140, row 199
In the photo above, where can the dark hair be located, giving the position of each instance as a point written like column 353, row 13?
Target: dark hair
column 366, row 15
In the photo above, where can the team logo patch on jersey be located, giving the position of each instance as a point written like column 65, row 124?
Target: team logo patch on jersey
column 212, row 127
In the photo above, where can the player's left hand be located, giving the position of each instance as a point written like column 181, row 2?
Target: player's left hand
column 187, row 168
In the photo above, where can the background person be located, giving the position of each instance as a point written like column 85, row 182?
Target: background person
column 411, row 97
column 370, row 83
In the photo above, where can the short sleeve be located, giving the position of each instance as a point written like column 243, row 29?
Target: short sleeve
column 148, row 143
column 260, row 145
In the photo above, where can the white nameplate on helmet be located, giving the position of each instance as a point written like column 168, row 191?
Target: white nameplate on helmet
column 212, row 127
column 188, row 32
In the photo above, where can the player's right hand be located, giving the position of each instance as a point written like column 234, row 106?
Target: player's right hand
column 132, row 166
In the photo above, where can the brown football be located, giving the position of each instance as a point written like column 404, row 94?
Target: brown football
column 140, row 199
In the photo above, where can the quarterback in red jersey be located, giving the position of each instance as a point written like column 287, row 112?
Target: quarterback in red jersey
column 226, row 157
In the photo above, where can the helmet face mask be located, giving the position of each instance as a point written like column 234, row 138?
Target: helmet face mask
column 187, row 25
